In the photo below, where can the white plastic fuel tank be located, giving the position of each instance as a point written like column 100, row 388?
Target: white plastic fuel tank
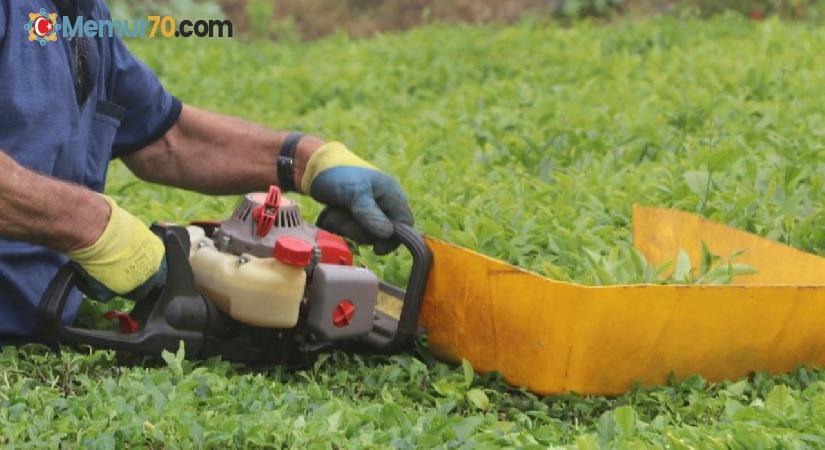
column 258, row 291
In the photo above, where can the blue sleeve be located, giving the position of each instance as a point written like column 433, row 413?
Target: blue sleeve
column 150, row 111
column 3, row 15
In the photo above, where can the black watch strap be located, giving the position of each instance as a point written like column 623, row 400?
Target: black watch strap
column 286, row 162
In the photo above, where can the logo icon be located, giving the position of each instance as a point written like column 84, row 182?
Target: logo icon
column 42, row 27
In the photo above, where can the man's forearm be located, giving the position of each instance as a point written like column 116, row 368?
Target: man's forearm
column 42, row 210
column 216, row 154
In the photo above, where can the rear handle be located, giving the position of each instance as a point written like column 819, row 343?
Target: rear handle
column 177, row 313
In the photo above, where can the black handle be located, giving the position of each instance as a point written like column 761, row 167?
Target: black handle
column 388, row 338
column 177, row 313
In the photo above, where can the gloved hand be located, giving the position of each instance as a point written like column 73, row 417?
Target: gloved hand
column 127, row 260
column 362, row 201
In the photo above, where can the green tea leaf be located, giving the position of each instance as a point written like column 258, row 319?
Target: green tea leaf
column 587, row 442
column 478, row 398
column 626, row 419
column 698, row 181
column 467, row 370
column 683, row 267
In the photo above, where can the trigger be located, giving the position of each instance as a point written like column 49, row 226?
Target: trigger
column 128, row 325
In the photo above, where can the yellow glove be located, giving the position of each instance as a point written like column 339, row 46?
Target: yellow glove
column 126, row 257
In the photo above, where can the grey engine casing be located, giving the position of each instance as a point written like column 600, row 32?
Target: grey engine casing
column 330, row 284
column 237, row 233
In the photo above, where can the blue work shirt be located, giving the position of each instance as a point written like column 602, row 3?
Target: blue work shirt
column 52, row 126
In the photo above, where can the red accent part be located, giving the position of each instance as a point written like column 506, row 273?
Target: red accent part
column 343, row 313
column 293, row 251
column 260, row 197
column 128, row 325
column 266, row 214
column 334, row 249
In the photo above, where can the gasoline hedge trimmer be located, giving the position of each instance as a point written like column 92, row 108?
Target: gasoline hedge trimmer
column 262, row 286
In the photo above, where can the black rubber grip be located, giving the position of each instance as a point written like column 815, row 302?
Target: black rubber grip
column 383, row 338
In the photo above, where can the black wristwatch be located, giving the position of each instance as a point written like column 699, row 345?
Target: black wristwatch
column 286, row 162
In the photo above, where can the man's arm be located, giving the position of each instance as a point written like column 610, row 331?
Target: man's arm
column 43, row 210
column 215, row 154
column 118, row 253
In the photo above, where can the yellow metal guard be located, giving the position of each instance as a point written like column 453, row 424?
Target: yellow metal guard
column 555, row 337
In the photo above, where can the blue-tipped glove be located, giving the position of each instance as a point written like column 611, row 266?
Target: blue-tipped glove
column 362, row 202
column 127, row 260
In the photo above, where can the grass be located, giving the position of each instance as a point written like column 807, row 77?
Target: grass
column 529, row 143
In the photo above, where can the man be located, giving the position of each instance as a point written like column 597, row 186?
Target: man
column 68, row 107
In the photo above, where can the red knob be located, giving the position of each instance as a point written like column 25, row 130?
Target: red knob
column 343, row 313
column 293, row 251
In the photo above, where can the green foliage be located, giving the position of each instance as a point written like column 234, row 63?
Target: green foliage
column 760, row 8
column 528, row 143
column 579, row 8
column 531, row 143
column 259, row 13
column 713, row 269
column 179, row 9
column 347, row 401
